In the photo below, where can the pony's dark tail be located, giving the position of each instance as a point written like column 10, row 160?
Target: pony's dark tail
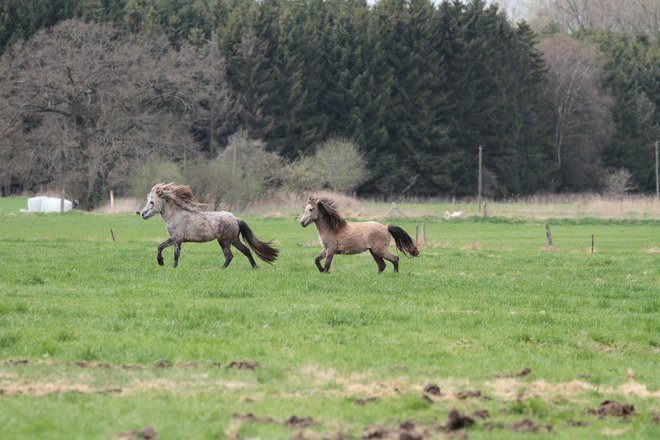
column 263, row 249
column 403, row 241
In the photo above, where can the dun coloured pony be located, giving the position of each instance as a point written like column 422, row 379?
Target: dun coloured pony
column 185, row 223
column 337, row 236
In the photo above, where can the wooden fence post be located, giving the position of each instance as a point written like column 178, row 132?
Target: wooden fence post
column 547, row 232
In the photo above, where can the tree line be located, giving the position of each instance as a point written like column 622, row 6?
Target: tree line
column 95, row 92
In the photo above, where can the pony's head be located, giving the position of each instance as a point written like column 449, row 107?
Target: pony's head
column 317, row 208
column 310, row 213
column 164, row 193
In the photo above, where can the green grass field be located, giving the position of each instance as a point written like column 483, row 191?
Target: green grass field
column 110, row 337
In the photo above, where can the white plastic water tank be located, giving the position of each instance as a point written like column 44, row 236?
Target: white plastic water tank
column 34, row 203
column 52, row 204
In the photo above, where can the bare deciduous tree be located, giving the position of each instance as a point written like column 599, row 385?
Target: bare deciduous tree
column 630, row 16
column 583, row 123
column 85, row 106
column 516, row 10
column 619, row 183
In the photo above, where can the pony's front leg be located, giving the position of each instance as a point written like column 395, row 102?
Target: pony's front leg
column 177, row 253
column 167, row 243
column 328, row 261
column 318, row 259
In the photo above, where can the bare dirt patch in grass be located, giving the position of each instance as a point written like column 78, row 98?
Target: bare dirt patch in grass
column 481, row 413
column 249, row 417
column 432, row 388
column 527, row 425
column 17, row 362
column 146, row 433
column 82, row 364
column 410, row 430
column 190, row 364
column 377, row 431
column 524, row 373
column 299, row 422
column 456, row 421
column 461, row 395
column 612, row 408
column 244, row 365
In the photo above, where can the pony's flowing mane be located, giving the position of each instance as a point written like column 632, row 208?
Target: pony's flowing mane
column 181, row 195
column 328, row 208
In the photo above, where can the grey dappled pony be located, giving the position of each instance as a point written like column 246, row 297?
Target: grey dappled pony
column 339, row 237
column 185, row 223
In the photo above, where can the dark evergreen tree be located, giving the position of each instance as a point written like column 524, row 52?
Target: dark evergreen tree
column 634, row 84
column 495, row 87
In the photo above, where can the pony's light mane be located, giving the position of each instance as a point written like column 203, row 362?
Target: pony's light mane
column 328, row 208
column 181, row 195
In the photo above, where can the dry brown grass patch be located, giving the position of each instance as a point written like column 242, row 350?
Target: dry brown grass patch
column 472, row 246
column 433, row 244
column 614, row 432
column 273, row 214
column 312, row 243
column 124, row 204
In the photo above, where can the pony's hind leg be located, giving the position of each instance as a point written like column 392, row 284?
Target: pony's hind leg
column 226, row 249
column 245, row 251
column 379, row 261
column 318, row 259
column 392, row 259
column 177, row 253
column 167, row 243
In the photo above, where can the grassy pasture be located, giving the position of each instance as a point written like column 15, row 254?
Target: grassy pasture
column 586, row 324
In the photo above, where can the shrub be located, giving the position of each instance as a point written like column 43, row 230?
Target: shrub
column 339, row 165
column 143, row 178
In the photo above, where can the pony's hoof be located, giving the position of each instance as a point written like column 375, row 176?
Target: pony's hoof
column 161, row 263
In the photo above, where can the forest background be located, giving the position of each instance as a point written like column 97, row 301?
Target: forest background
column 240, row 98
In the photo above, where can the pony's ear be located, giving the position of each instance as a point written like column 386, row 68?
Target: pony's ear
column 313, row 200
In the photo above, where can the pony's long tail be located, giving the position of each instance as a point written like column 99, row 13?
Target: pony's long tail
column 403, row 241
column 263, row 249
